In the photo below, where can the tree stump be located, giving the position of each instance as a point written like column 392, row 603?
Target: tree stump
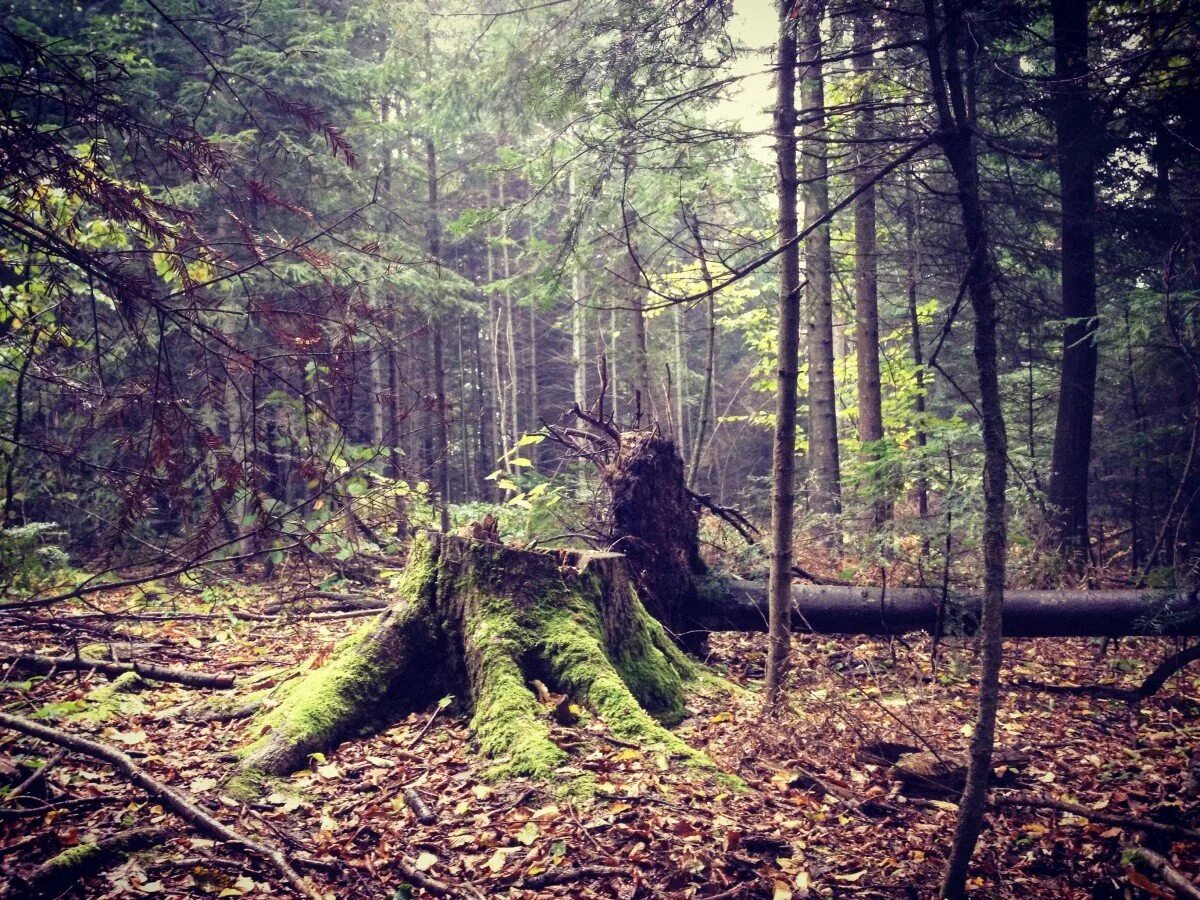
column 481, row 621
column 656, row 524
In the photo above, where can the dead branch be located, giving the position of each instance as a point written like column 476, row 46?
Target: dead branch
column 1173, row 832
column 59, row 872
column 1152, row 685
column 165, row 794
column 568, row 876
column 37, row 777
column 39, row 663
column 1149, row 861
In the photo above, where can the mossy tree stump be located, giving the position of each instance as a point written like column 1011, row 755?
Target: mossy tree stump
column 482, row 621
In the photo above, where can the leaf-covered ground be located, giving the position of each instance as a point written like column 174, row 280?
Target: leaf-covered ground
column 657, row 828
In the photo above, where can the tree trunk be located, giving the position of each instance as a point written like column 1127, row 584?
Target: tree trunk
column 641, row 401
column 825, row 488
column 439, row 362
column 736, row 605
column 656, row 525
column 912, row 277
column 783, row 452
column 481, row 621
column 710, row 351
column 1076, row 144
column 957, row 126
column 866, row 274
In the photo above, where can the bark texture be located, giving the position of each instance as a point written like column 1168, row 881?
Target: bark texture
column 866, row 267
column 783, row 452
column 1074, row 124
column 482, row 620
column 825, row 472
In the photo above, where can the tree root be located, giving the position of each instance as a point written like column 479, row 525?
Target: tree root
column 39, row 663
column 166, row 795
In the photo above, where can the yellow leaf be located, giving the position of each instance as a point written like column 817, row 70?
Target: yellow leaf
column 528, row 833
column 782, row 891
column 426, row 861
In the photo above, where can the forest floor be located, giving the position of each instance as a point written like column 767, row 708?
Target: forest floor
column 662, row 829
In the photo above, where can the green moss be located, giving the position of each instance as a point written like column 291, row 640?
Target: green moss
column 582, row 787
column 579, row 665
column 73, row 859
column 507, row 723
column 247, row 785
column 320, row 704
column 117, row 698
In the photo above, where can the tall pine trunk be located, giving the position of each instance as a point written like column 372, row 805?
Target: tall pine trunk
column 1075, row 128
column 439, row 363
column 866, row 274
column 710, row 349
column 783, row 454
column 825, row 488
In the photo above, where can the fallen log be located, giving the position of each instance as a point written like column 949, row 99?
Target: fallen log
column 731, row 604
column 655, row 522
column 38, row 663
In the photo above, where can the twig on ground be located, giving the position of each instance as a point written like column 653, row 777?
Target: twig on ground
column 39, row 663
column 169, row 797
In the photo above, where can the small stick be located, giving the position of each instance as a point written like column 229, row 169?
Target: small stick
column 437, row 709
column 419, row 807
column 37, row 777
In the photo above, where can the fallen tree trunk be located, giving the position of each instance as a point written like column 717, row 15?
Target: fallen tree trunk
column 735, row 605
column 654, row 522
column 483, row 621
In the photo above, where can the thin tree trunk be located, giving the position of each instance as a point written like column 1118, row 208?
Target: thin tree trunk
column 1076, row 144
column 642, row 402
column 439, row 362
column 957, row 126
column 578, row 320
column 495, row 329
column 510, row 340
column 706, row 400
column 825, row 489
column 913, row 276
column 783, row 456
column 485, row 455
column 680, row 398
column 866, row 275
